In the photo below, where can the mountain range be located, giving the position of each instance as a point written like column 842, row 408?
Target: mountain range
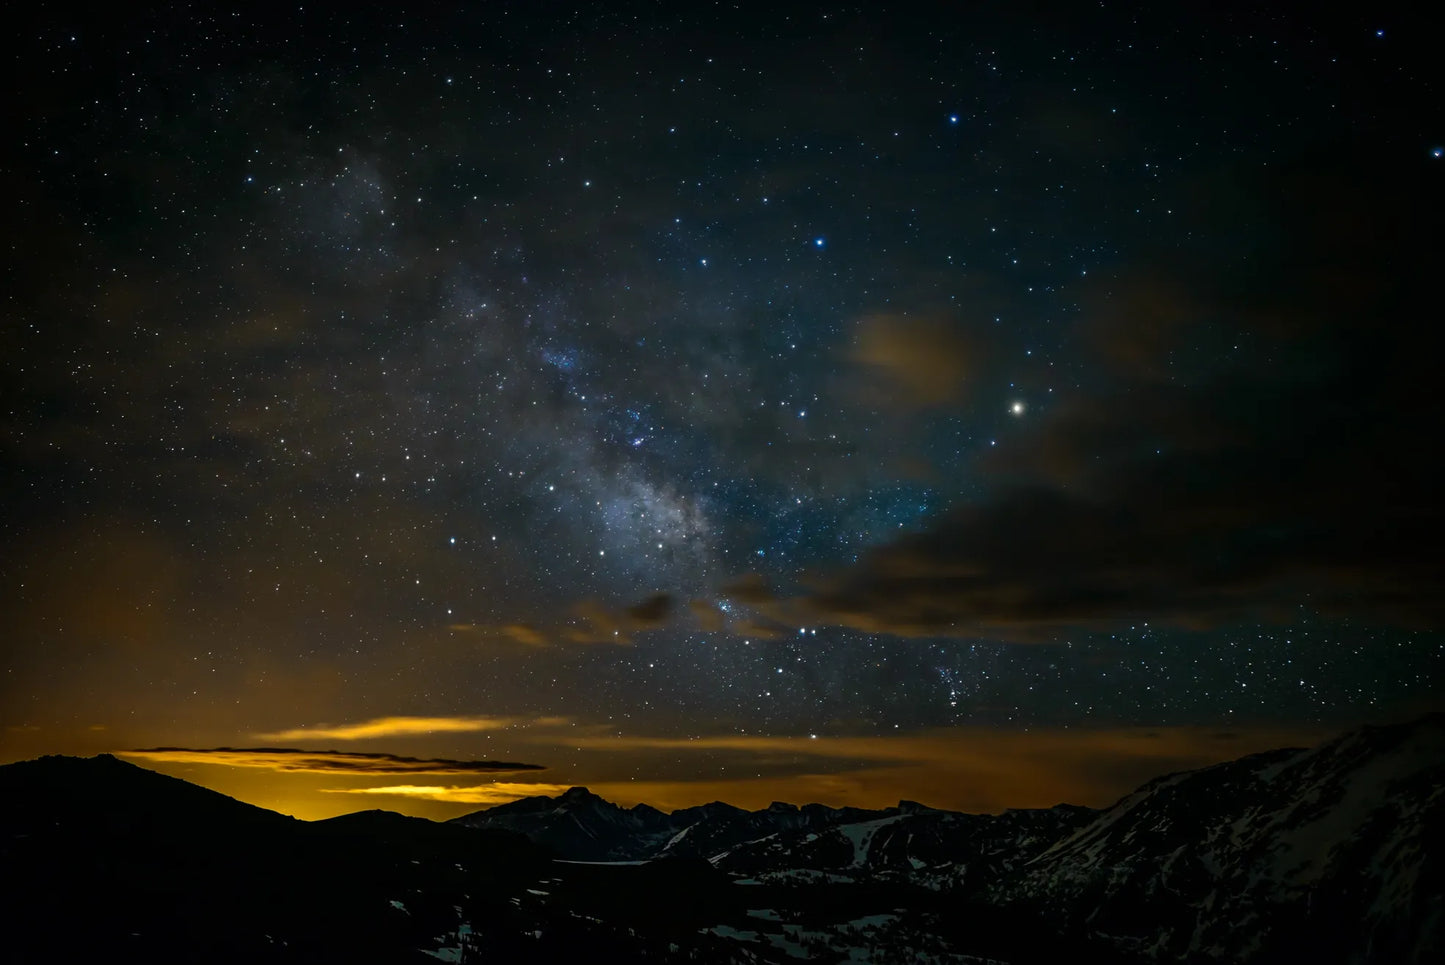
column 1328, row 854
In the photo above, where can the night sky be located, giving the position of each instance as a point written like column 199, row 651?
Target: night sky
column 989, row 408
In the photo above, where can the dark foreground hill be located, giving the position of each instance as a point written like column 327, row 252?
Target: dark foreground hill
column 1329, row 854
column 102, row 861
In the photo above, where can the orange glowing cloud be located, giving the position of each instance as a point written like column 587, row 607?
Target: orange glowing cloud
column 497, row 793
column 921, row 362
column 393, row 727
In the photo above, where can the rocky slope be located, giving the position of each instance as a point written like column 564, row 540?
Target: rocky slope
column 1332, row 853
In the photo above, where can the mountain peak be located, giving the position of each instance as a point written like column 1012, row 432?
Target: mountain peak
column 105, row 791
column 576, row 794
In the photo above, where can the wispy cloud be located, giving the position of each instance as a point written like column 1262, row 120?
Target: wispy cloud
column 497, row 793
column 293, row 760
column 949, row 746
column 524, row 633
column 587, row 622
column 392, row 727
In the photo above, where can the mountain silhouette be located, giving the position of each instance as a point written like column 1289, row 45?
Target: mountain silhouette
column 1325, row 854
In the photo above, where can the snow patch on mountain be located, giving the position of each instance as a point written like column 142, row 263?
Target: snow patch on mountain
column 861, row 836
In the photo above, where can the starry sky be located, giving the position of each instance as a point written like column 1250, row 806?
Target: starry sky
column 996, row 407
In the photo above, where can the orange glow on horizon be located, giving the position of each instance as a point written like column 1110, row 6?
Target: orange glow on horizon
column 967, row 769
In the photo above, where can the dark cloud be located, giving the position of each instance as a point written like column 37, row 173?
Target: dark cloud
column 595, row 622
column 748, row 627
column 1300, row 475
column 767, row 616
column 652, row 611
column 591, row 621
column 750, row 588
column 291, row 759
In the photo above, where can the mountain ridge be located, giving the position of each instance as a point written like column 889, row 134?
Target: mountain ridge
column 1334, row 853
